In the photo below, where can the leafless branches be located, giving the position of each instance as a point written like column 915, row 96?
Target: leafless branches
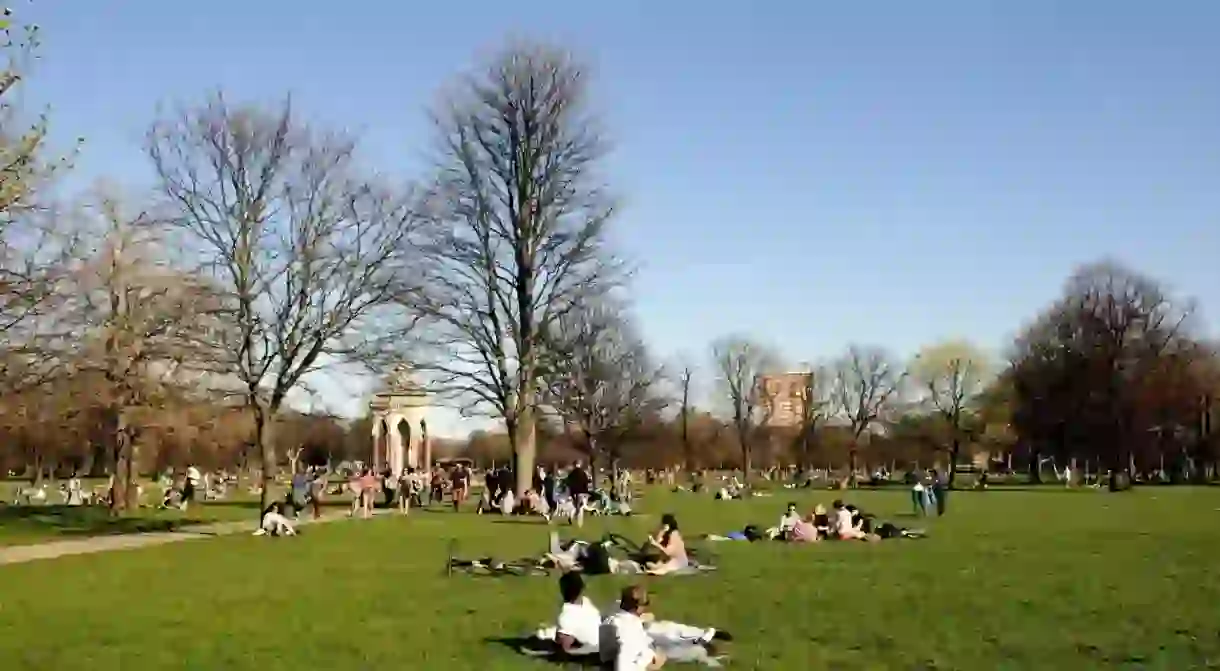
column 33, row 248
column 866, row 381
column 740, row 365
column 304, row 250
column 130, row 320
column 520, row 243
column 818, row 404
column 599, row 377
column 953, row 377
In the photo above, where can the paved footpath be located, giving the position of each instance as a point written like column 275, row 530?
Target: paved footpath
column 50, row 550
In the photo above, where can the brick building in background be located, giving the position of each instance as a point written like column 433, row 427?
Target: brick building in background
column 783, row 398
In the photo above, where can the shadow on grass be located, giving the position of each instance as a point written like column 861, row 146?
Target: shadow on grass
column 80, row 521
column 532, row 521
column 541, row 650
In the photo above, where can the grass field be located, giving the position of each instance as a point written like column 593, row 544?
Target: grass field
column 1010, row 579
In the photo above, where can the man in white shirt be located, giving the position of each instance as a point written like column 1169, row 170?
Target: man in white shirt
column 623, row 640
column 579, row 621
column 580, row 631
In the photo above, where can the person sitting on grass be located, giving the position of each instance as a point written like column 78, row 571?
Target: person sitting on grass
column 633, row 640
column 842, row 525
column 579, row 631
column 805, row 530
column 275, row 523
column 821, row 521
column 532, row 503
column 787, row 523
column 668, row 542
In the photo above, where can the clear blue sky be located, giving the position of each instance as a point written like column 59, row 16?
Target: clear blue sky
column 810, row 173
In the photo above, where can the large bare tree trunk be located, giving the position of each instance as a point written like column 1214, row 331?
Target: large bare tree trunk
column 121, row 467
column 955, row 451
column 264, row 439
column 525, row 450
column 131, row 492
column 745, row 456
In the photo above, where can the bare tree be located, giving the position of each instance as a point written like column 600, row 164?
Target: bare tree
column 522, row 236
column 139, row 325
column 33, row 248
column 741, row 364
column 866, row 381
column 817, row 405
column 600, row 378
column 953, row 376
column 305, row 250
column 684, row 383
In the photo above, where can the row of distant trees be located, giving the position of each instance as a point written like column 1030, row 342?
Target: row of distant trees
column 266, row 250
column 1113, row 377
column 141, row 328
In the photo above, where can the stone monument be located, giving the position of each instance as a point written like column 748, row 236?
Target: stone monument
column 400, row 430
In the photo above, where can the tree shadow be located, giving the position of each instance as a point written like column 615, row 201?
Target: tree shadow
column 543, row 651
column 79, row 521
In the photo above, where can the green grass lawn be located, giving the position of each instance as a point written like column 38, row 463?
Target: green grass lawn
column 24, row 525
column 1010, row 579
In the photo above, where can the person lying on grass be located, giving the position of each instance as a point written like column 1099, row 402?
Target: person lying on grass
column 580, row 632
column 590, row 558
column 275, row 523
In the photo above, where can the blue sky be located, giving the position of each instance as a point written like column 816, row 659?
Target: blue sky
column 812, row 174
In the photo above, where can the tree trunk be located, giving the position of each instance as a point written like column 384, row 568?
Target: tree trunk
column 266, row 448
column 593, row 447
column 131, row 492
column 525, row 448
column 121, row 471
column 807, row 449
column 687, row 453
column 851, row 461
column 745, row 456
column 954, row 450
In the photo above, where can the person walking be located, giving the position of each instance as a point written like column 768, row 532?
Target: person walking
column 579, row 483
column 940, row 490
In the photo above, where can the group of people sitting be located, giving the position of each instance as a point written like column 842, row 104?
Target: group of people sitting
column 664, row 552
column 842, row 522
column 567, row 498
column 631, row 639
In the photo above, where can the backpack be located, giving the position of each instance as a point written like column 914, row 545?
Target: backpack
column 596, row 560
